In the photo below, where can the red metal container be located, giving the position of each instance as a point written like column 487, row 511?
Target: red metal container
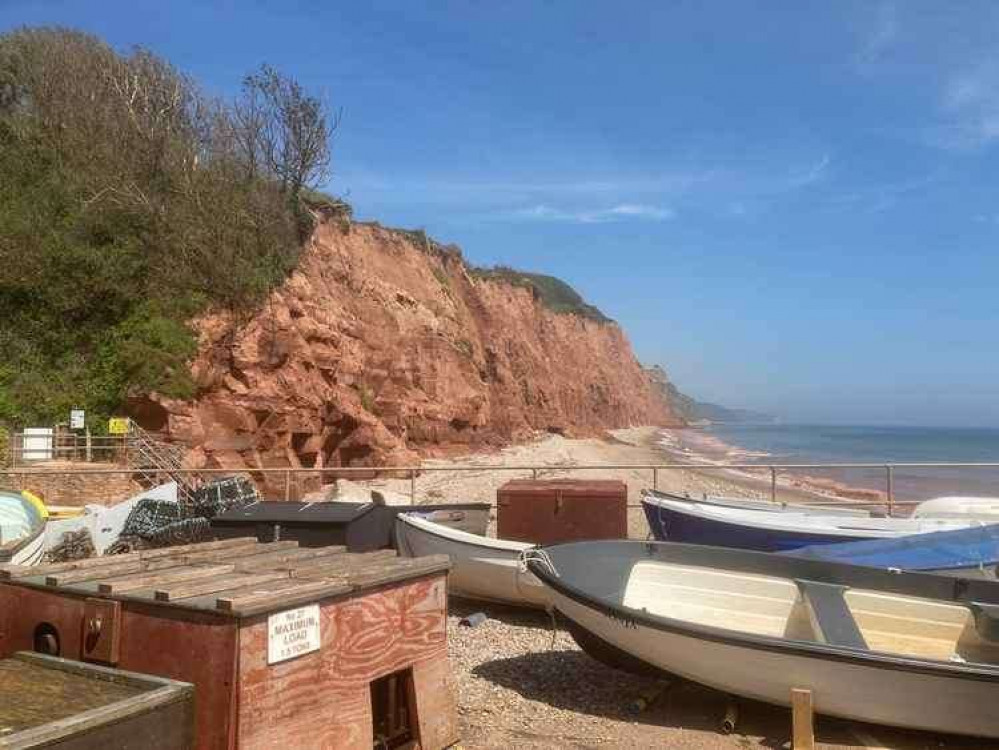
column 561, row 510
column 286, row 647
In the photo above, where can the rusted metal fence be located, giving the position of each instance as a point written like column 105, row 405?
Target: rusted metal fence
column 760, row 473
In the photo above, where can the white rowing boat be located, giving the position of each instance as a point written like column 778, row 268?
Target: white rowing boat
column 902, row 649
column 22, row 529
column 482, row 568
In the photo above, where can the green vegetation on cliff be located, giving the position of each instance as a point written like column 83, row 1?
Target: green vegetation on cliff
column 552, row 292
column 131, row 202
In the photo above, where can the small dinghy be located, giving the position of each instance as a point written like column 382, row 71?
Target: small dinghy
column 22, row 529
column 967, row 553
column 902, row 649
column 481, row 567
column 778, row 527
column 982, row 508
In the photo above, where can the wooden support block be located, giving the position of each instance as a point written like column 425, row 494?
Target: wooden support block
column 284, row 594
column 401, row 570
column 89, row 574
column 271, row 560
column 183, row 549
column 235, row 554
column 11, row 572
column 337, row 564
column 802, row 717
column 202, row 586
column 159, row 578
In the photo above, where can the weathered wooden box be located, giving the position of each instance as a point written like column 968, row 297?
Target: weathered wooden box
column 549, row 511
column 286, row 647
column 48, row 702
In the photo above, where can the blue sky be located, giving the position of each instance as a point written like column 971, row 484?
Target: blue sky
column 792, row 206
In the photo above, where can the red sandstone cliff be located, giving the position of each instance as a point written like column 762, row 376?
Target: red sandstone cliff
column 378, row 349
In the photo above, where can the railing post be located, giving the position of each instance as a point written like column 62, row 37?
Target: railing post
column 890, row 490
column 412, row 486
column 287, row 485
column 534, row 473
column 773, row 484
column 655, row 478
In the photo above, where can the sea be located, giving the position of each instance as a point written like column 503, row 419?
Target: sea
column 803, row 443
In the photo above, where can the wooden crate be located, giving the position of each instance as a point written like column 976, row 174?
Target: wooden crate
column 59, row 704
column 230, row 616
column 561, row 510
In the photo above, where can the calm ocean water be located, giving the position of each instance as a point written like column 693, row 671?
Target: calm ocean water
column 789, row 443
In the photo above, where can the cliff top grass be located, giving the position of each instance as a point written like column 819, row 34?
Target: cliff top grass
column 552, row 292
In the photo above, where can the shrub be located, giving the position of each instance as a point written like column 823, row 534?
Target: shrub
column 130, row 202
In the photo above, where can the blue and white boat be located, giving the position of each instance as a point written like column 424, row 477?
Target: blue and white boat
column 967, row 553
column 774, row 528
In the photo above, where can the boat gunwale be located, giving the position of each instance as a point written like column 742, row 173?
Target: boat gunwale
column 809, row 649
column 491, row 543
column 9, row 550
column 839, row 530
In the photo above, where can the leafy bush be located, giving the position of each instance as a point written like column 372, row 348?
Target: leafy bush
column 130, row 202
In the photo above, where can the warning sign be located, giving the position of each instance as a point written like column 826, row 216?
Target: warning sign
column 292, row 633
column 118, row 425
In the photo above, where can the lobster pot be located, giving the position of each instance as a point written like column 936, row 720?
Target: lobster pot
column 65, row 705
column 285, row 646
column 561, row 510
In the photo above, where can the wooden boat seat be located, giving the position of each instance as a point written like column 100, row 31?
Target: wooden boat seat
column 830, row 616
column 986, row 620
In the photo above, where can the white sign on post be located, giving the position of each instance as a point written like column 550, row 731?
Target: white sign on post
column 76, row 417
column 292, row 633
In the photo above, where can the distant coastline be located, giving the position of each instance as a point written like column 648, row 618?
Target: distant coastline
column 749, row 443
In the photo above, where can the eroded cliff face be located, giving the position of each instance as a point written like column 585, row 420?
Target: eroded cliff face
column 380, row 348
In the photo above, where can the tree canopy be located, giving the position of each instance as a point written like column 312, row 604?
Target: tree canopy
column 130, row 202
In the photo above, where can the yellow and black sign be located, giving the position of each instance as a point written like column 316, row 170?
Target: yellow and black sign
column 118, row 426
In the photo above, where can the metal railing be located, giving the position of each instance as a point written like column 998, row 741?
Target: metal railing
column 412, row 472
column 68, row 446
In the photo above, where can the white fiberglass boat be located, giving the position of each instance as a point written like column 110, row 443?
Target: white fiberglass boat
column 481, row 567
column 22, row 529
column 896, row 648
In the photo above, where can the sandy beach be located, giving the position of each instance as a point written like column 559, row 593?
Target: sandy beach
column 476, row 477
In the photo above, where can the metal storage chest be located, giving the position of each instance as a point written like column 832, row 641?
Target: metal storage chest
column 59, row 704
column 561, row 510
column 360, row 527
column 289, row 647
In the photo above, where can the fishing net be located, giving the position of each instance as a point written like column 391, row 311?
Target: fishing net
column 73, row 545
column 149, row 515
column 221, row 495
column 162, row 523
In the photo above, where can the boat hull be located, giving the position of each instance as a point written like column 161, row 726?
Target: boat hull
column 31, row 550
column 482, row 569
column 670, row 525
column 871, row 692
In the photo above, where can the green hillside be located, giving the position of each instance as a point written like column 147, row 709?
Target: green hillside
column 130, row 202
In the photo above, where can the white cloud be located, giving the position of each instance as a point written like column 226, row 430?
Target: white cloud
column 620, row 212
column 811, row 174
column 881, row 36
column 970, row 106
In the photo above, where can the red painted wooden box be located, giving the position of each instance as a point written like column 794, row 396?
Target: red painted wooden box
column 286, row 647
column 561, row 510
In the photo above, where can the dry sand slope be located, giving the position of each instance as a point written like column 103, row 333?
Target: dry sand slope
column 485, row 472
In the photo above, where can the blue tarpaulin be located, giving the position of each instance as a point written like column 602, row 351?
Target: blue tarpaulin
column 941, row 550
